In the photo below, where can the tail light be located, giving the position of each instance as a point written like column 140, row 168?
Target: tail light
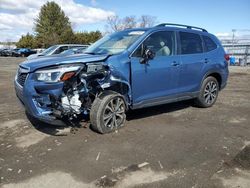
column 227, row 57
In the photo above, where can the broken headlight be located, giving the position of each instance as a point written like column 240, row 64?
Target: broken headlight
column 56, row 74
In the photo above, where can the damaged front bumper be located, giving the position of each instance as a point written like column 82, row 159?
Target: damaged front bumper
column 63, row 102
column 35, row 98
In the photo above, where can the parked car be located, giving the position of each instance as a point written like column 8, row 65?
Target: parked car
column 56, row 49
column 6, row 52
column 78, row 50
column 14, row 52
column 1, row 52
column 24, row 52
column 39, row 50
column 131, row 69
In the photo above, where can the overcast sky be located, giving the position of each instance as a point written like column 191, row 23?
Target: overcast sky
column 217, row 16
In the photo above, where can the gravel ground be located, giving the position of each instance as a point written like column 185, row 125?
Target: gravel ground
column 174, row 145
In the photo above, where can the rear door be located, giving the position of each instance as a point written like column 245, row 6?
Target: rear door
column 159, row 77
column 193, row 61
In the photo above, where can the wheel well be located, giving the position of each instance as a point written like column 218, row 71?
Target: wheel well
column 119, row 88
column 217, row 76
column 122, row 89
column 109, row 92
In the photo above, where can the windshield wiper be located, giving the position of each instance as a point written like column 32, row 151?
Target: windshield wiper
column 92, row 53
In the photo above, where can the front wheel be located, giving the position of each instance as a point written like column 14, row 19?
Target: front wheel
column 107, row 113
column 208, row 93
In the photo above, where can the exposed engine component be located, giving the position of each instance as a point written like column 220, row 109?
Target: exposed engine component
column 80, row 91
column 72, row 102
column 94, row 67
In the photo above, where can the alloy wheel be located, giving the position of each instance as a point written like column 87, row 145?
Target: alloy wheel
column 210, row 92
column 113, row 116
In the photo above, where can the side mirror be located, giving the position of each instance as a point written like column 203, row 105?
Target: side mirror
column 147, row 55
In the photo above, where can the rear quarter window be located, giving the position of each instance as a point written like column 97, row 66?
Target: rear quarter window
column 209, row 44
column 190, row 43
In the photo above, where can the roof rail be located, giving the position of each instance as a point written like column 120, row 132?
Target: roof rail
column 181, row 25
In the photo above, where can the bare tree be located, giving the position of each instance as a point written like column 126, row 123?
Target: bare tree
column 8, row 43
column 114, row 23
column 147, row 21
column 129, row 22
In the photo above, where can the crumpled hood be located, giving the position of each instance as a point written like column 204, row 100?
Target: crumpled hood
column 42, row 62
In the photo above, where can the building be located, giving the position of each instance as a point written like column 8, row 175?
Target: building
column 240, row 51
column 237, row 45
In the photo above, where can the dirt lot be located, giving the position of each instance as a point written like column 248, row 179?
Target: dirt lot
column 175, row 145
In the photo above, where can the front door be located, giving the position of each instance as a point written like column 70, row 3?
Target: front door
column 158, row 78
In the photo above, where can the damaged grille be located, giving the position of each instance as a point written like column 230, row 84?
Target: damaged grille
column 21, row 76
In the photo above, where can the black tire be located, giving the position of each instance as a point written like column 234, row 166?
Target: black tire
column 105, row 117
column 208, row 93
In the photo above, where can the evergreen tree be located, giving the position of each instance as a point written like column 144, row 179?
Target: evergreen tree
column 87, row 37
column 26, row 41
column 52, row 26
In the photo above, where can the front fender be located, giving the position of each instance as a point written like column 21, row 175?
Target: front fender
column 115, row 81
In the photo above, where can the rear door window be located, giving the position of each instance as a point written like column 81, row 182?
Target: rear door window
column 209, row 44
column 190, row 43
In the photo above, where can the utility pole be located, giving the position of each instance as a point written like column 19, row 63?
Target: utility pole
column 234, row 41
column 246, row 54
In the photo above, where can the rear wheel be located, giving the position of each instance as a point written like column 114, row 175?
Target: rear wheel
column 208, row 93
column 108, row 113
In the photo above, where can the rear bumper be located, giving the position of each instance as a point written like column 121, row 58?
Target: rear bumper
column 223, row 85
column 224, row 75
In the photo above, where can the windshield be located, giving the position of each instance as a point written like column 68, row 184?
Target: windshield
column 68, row 52
column 114, row 43
column 48, row 50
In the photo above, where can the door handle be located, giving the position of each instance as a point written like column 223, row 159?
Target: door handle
column 206, row 60
column 175, row 63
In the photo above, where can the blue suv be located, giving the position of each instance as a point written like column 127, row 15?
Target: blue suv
column 131, row 69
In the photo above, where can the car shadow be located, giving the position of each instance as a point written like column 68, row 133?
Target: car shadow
column 55, row 130
column 46, row 128
column 157, row 110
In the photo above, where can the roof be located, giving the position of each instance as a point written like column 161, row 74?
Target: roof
column 181, row 26
column 173, row 26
